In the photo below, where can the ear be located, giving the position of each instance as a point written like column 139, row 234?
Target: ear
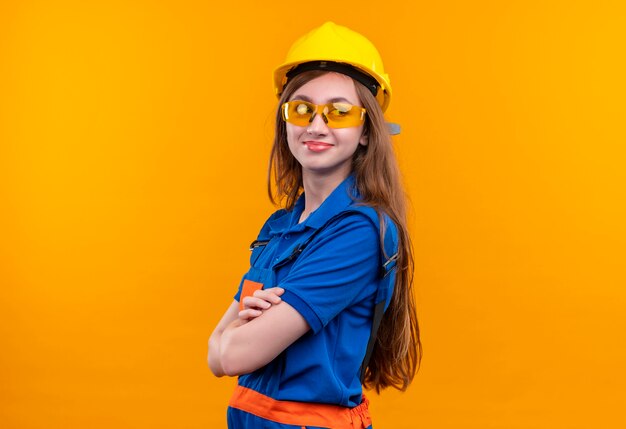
column 363, row 140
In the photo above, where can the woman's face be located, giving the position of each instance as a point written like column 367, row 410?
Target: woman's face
column 321, row 150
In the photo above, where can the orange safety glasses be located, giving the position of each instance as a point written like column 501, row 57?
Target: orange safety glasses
column 335, row 115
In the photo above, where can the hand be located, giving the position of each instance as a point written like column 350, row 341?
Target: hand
column 262, row 299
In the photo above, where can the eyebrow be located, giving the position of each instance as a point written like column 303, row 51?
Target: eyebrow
column 332, row 100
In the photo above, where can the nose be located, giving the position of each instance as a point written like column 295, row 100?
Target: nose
column 317, row 126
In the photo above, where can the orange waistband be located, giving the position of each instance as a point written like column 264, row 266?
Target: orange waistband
column 301, row 413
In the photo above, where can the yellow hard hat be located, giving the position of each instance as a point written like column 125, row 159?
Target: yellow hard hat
column 336, row 48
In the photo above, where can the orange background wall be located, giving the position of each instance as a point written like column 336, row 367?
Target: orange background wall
column 133, row 146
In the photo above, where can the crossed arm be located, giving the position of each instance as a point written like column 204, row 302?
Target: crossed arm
column 245, row 341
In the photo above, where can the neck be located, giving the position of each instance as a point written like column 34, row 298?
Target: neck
column 317, row 188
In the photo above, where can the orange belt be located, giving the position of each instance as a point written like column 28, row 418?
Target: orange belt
column 301, row 413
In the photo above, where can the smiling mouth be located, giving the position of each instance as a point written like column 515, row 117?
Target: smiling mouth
column 317, row 146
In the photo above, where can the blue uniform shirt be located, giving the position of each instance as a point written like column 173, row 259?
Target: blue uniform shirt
column 333, row 284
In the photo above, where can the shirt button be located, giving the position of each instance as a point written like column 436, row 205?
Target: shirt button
column 287, row 237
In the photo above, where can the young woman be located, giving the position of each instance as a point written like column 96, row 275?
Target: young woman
column 327, row 304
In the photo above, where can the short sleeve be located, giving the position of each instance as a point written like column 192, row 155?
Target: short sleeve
column 339, row 267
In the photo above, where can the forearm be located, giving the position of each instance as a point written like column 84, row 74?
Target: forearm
column 239, row 351
column 215, row 362
column 214, row 355
column 245, row 347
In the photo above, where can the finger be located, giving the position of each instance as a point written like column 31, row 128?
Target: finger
column 256, row 302
column 271, row 291
column 268, row 295
column 249, row 314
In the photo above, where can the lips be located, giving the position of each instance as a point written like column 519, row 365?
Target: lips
column 315, row 146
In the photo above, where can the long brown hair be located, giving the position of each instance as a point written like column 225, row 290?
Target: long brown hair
column 398, row 351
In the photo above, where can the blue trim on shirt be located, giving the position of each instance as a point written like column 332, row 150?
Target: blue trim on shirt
column 303, row 308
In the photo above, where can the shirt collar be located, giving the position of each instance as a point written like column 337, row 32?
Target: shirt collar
column 340, row 198
column 344, row 195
